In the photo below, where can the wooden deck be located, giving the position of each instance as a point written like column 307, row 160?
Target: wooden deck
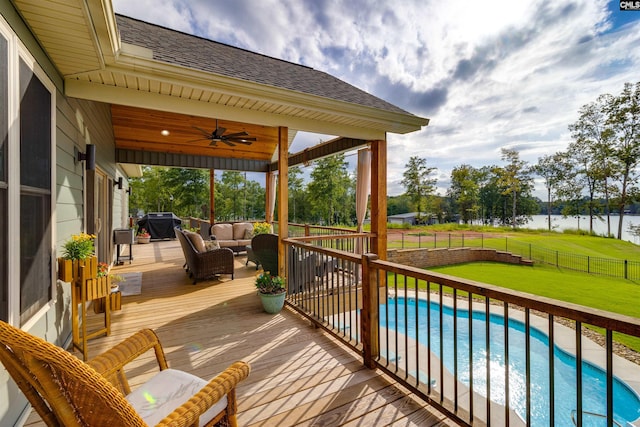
column 300, row 376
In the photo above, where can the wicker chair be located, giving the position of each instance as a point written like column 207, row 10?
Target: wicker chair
column 205, row 265
column 66, row 391
column 265, row 249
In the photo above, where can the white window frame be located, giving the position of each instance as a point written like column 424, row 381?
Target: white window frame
column 17, row 51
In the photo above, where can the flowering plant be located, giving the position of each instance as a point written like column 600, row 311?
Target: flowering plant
column 268, row 284
column 80, row 246
column 261, row 228
column 143, row 233
column 103, row 269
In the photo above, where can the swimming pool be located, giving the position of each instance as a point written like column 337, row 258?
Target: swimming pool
column 626, row 402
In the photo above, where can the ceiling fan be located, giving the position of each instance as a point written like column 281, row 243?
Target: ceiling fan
column 217, row 135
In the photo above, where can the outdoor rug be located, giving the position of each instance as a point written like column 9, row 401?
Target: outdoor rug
column 131, row 283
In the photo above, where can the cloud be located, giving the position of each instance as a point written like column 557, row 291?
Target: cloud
column 488, row 74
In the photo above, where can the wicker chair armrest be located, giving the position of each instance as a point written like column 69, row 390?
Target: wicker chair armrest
column 215, row 253
column 110, row 364
column 223, row 384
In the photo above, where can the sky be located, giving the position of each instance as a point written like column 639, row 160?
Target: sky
column 488, row 74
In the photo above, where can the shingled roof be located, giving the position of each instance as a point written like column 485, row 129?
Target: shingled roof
column 178, row 48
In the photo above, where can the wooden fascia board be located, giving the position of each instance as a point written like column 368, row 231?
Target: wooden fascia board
column 103, row 20
column 134, row 98
column 172, row 74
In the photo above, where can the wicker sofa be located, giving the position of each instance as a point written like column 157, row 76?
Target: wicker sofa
column 203, row 264
column 236, row 236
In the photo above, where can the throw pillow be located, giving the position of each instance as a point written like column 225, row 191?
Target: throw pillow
column 212, row 245
column 197, row 241
column 248, row 234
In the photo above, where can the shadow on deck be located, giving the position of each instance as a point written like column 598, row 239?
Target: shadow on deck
column 300, row 375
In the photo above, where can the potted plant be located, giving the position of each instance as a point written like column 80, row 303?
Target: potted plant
column 261, row 228
column 76, row 250
column 143, row 236
column 272, row 292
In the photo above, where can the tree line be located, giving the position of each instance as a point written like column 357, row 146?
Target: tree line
column 328, row 198
column 596, row 175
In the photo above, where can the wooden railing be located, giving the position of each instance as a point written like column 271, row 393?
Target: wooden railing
column 418, row 327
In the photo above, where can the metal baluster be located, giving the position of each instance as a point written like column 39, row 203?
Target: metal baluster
column 609, row 345
column 552, row 374
column 470, row 357
column 506, row 364
column 455, row 349
column 441, row 344
column 487, row 344
column 579, row 373
column 527, row 351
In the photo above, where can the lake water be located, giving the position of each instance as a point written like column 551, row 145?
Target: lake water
column 559, row 223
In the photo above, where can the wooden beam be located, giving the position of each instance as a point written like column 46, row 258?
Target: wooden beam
column 379, row 198
column 283, row 195
column 328, row 148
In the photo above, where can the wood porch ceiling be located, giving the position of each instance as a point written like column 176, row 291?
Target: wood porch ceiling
column 140, row 129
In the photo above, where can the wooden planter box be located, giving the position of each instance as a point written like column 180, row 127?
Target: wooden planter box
column 85, row 275
column 65, row 270
column 115, row 299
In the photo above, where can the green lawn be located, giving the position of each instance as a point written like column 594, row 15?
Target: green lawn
column 604, row 293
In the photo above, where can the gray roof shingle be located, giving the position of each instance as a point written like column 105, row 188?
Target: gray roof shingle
column 190, row 51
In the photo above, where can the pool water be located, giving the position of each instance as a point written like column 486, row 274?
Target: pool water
column 626, row 404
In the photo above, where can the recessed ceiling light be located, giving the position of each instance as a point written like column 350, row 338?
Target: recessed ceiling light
column 164, row 132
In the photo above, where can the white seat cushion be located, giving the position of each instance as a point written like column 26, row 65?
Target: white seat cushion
column 166, row 391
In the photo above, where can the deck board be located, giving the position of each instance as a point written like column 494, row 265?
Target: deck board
column 299, row 374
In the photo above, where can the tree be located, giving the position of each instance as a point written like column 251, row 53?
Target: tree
column 624, row 119
column 296, row 192
column 160, row 189
column 490, row 197
column 592, row 150
column 464, row 191
column 549, row 168
column 328, row 189
column 570, row 186
column 515, row 179
column 189, row 190
column 417, row 181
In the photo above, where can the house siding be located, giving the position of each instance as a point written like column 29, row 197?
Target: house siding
column 78, row 122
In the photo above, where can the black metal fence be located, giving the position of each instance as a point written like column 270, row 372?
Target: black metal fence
column 612, row 267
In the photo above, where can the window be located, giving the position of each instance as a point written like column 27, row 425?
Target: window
column 4, row 138
column 35, row 193
column 27, row 144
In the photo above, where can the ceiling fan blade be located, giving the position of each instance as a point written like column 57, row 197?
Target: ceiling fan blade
column 204, row 132
column 219, row 132
column 236, row 135
column 229, row 143
column 213, row 143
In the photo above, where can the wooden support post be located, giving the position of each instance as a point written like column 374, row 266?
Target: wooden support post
column 212, row 198
column 369, row 324
column 379, row 198
column 283, row 194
